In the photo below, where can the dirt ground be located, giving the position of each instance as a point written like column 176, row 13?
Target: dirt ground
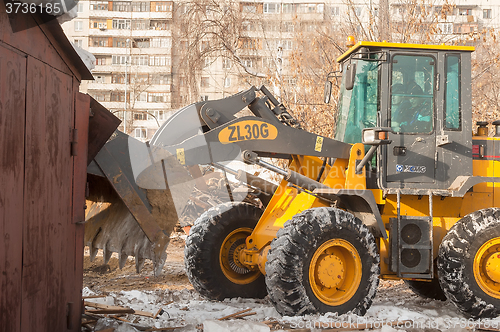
column 103, row 278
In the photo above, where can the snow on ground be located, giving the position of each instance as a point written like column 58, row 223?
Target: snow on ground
column 184, row 307
column 188, row 310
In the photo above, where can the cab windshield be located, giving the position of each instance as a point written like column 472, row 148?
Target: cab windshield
column 358, row 107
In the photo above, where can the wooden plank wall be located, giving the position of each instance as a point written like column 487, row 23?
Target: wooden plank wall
column 48, row 235
column 41, row 199
column 12, row 118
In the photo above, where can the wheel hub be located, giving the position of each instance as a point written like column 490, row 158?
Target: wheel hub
column 492, row 266
column 229, row 258
column 335, row 272
column 233, row 257
column 487, row 267
column 330, row 271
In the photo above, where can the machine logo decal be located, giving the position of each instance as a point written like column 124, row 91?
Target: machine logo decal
column 410, row 169
column 248, row 130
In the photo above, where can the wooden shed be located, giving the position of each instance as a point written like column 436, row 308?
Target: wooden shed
column 43, row 159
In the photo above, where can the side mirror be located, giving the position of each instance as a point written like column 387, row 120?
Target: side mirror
column 350, row 76
column 328, row 91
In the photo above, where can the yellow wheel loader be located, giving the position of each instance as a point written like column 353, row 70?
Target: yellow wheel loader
column 404, row 191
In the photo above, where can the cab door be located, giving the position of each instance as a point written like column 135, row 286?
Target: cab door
column 411, row 155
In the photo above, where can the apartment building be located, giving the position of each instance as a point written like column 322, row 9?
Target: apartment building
column 150, row 60
column 132, row 43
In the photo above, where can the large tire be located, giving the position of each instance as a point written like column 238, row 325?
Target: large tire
column 469, row 264
column 322, row 260
column 427, row 289
column 211, row 252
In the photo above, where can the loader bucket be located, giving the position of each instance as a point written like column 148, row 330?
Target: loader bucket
column 124, row 218
column 137, row 191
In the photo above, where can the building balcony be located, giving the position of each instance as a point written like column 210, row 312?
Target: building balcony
column 130, row 15
column 144, row 105
column 461, row 19
column 127, row 33
column 132, row 69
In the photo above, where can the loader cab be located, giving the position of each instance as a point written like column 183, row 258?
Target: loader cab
column 421, row 92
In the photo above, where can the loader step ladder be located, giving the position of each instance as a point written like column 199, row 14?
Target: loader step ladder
column 411, row 243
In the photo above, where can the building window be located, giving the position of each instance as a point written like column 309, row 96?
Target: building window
column 119, row 42
column 157, row 97
column 335, row 11
column 160, row 25
column 204, row 83
column 79, row 7
column 287, row 45
column 118, row 78
column 226, row 64
column 446, row 28
column 465, row 11
column 161, row 42
column 139, row 79
column 205, row 45
column 247, row 63
column 271, row 8
column 140, row 116
column 160, row 79
column 288, row 27
column 157, row 115
column 140, row 60
column 121, row 24
column 247, row 8
column 270, row 26
column 291, row 81
column 99, row 42
column 99, row 79
column 101, row 96
column 140, row 6
column 119, row 59
column 117, row 96
column 163, row 6
column 98, row 24
column 141, row 133
column 487, row 13
column 141, row 43
column 98, row 5
column 247, row 26
column 288, row 8
column 140, row 24
column 159, row 60
column 121, row 6
column 78, row 42
column 78, row 25
column 308, row 8
column 227, row 82
column 249, row 43
column 100, row 61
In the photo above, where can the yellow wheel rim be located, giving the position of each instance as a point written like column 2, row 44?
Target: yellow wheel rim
column 487, row 267
column 229, row 258
column 335, row 272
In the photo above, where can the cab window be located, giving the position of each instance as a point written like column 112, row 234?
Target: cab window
column 453, row 112
column 412, row 94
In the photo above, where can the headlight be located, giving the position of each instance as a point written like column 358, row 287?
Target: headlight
column 369, row 136
column 376, row 136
